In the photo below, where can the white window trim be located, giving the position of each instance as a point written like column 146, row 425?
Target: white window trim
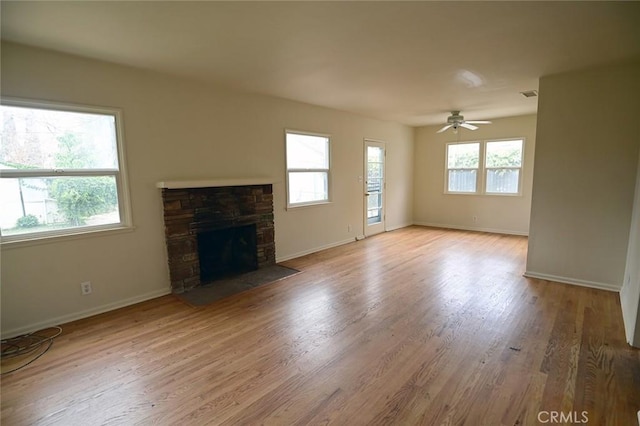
column 521, row 168
column 481, row 171
column 323, row 170
column 477, row 169
column 120, row 174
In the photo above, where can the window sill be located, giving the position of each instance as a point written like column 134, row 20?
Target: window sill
column 48, row 239
column 461, row 193
column 302, row 206
column 500, row 194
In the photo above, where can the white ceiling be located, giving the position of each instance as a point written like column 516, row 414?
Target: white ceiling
column 410, row 62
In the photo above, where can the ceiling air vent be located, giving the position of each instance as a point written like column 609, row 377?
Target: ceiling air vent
column 529, row 93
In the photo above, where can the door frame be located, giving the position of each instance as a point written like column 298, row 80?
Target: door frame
column 369, row 230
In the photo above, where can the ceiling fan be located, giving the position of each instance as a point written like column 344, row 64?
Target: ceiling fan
column 455, row 120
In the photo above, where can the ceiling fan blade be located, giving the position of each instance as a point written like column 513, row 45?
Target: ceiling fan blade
column 444, row 128
column 478, row 122
column 466, row 125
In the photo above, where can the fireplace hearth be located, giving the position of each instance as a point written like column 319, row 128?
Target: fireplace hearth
column 214, row 232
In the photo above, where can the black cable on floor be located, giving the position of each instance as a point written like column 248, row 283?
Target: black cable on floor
column 27, row 344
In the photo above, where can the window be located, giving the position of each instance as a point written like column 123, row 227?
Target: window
column 496, row 164
column 503, row 160
column 463, row 161
column 308, row 168
column 60, row 170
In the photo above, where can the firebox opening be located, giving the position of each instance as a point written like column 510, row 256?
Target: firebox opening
column 226, row 252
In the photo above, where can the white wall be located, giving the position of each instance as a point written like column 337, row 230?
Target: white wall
column 585, row 173
column 177, row 129
column 630, row 293
column 503, row 214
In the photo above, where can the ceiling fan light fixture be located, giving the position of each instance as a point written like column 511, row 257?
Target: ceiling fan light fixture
column 455, row 121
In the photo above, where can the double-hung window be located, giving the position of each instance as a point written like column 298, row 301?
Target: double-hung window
column 308, row 168
column 503, row 163
column 61, row 170
column 463, row 163
column 492, row 167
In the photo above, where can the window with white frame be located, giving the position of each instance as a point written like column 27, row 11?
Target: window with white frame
column 493, row 165
column 503, row 165
column 463, row 162
column 308, row 168
column 61, row 170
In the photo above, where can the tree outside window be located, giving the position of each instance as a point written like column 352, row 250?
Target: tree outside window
column 60, row 170
column 499, row 168
column 308, row 167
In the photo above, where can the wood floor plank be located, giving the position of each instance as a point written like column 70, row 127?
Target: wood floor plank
column 416, row 326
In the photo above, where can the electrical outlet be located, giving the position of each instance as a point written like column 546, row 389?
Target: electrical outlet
column 349, row 228
column 85, row 287
column 475, row 219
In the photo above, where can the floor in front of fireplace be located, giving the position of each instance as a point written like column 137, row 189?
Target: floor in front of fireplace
column 219, row 289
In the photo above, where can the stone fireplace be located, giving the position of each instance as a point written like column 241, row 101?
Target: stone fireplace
column 216, row 231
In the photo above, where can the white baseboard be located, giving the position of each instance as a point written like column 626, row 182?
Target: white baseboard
column 574, row 281
column 402, row 225
column 83, row 314
column 314, row 250
column 472, row 228
column 336, row 244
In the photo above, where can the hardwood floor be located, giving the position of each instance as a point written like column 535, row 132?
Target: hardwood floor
column 415, row 326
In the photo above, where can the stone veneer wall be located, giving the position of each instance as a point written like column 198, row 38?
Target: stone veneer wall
column 190, row 211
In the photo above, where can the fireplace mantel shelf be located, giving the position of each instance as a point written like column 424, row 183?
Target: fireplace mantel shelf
column 211, row 183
